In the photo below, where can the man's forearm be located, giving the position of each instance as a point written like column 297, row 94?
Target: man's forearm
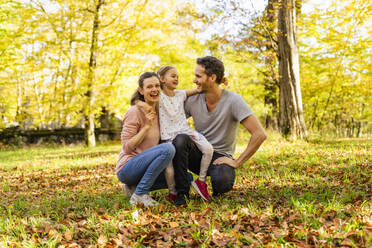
column 254, row 143
column 254, row 127
column 258, row 136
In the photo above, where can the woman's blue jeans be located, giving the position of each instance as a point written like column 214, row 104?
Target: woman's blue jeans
column 143, row 169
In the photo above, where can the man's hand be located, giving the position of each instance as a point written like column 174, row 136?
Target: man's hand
column 226, row 160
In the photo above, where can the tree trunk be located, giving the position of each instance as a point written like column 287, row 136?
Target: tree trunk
column 291, row 120
column 90, row 138
column 271, row 85
column 271, row 121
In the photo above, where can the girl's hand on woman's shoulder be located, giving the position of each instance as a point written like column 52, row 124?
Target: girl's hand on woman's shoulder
column 144, row 106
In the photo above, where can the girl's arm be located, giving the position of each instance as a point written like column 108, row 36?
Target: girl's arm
column 195, row 91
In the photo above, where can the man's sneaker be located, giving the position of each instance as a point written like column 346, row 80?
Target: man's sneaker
column 145, row 199
column 172, row 197
column 190, row 178
column 128, row 190
column 180, row 199
column 201, row 188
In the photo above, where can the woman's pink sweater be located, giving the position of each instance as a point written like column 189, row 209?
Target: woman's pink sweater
column 133, row 121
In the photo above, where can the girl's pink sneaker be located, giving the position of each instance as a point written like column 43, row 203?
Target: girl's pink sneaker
column 201, row 188
column 172, row 197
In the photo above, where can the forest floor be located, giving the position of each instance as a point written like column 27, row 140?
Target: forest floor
column 291, row 194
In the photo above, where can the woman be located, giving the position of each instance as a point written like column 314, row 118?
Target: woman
column 142, row 158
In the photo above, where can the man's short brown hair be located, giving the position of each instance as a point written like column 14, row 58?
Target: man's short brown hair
column 212, row 65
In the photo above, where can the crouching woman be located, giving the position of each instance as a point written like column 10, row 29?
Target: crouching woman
column 142, row 158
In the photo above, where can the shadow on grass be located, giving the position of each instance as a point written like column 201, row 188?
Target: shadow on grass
column 77, row 154
column 279, row 186
column 342, row 142
column 59, row 152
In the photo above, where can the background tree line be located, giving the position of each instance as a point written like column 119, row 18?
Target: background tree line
column 66, row 63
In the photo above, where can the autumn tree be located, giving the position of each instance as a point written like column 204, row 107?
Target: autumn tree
column 62, row 60
column 251, row 50
column 58, row 63
column 335, row 68
column 12, row 35
column 90, row 137
column 291, row 118
column 264, row 34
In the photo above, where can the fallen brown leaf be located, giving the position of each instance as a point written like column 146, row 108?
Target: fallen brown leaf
column 102, row 240
column 173, row 224
column 68, row 235
column 347, row 242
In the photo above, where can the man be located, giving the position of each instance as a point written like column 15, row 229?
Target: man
column 217, row 114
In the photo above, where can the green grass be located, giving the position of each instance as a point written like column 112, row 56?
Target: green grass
column 289, row 194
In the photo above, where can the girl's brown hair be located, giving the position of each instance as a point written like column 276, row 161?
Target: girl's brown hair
column 162, row 71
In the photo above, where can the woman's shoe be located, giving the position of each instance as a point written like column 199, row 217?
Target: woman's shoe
column 145, row 199
column 128, row 190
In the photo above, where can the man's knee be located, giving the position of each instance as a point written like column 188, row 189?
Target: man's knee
column 222, row 177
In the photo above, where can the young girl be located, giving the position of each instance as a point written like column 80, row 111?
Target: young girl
column 172, row 120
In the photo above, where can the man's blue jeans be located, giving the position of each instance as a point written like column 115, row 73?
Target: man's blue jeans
column 143, row 169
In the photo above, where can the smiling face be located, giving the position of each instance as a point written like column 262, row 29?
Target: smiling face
column 150, row 90
column 202, row 80
column 170, row 79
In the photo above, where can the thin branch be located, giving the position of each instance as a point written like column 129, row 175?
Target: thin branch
column 117, row 16
column 263, row 25
column 337, row 71
column 88, row 10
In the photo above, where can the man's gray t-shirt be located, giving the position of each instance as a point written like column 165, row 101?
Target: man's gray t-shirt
column 219, row 126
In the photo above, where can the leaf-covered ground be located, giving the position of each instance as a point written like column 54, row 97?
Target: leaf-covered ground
column 301, row 194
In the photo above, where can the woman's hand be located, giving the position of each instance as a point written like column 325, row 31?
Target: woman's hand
column 150, row 113
column 150, row 118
